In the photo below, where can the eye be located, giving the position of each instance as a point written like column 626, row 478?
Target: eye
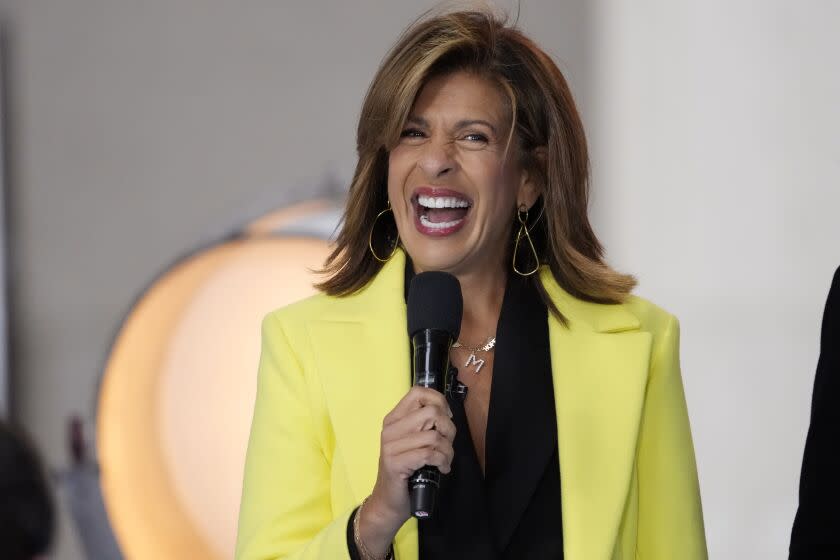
column 412, row 133
column 476, row 137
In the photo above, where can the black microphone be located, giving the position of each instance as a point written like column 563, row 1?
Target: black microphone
column 435, row 306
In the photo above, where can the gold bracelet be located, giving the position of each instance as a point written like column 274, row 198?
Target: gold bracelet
column 363, row 551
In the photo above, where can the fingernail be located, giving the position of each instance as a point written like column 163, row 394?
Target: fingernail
column 449, row 410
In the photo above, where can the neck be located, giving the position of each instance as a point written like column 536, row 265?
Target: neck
column 483, row 293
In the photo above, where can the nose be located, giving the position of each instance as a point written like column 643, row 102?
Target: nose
column 437, row 158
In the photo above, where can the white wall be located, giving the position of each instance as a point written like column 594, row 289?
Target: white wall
column 717, row 158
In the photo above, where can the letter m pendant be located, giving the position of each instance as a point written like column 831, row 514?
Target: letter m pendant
column 472, row 360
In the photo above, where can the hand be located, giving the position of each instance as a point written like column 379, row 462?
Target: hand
column 419, row 431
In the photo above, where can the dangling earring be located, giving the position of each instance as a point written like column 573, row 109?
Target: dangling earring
column 523, row 232
column 395, row 243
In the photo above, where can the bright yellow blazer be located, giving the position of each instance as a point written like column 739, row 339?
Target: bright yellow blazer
column 331, row 368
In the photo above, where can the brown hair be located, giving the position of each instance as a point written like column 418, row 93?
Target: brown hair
column 543, row 116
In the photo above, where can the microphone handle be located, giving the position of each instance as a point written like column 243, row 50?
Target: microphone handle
column 430, row 364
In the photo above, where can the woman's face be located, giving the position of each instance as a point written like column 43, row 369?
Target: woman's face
column 453, row 188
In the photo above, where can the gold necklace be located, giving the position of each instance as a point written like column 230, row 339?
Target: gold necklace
column 472, row 360
column 487, row 346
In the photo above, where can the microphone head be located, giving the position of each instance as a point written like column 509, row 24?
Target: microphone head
column 435, row 302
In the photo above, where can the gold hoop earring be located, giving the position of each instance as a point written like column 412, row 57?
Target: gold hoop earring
column 396, row 241
column 523, row 232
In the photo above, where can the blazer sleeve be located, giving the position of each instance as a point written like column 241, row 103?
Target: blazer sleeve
column 670, row 514
column 285, row 511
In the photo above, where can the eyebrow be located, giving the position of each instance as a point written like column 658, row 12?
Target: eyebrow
column 460, row 124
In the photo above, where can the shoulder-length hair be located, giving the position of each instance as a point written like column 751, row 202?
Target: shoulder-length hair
column 543, row 115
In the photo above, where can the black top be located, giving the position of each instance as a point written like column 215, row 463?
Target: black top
column 513, row 511
column 818, row 518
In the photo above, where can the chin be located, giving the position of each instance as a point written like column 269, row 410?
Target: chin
column 425, row 257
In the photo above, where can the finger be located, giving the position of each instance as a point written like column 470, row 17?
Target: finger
column 416, row 398
column 443, row 425
column 417, row 440
column 426, row 418
column 415, row 459
column 446, row 428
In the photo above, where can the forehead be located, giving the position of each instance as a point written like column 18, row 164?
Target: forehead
column 461, row 95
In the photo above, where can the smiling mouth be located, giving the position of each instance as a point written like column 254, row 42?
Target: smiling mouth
column 440, row 215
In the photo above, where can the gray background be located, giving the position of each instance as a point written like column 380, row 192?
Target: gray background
column 139, row 130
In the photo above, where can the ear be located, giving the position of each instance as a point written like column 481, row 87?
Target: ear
column 531, row 181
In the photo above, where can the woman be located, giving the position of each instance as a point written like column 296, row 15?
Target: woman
column 573, row 440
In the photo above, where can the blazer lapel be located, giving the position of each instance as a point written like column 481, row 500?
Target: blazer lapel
column 362, row 356
column 600, row 366
column 518, row 450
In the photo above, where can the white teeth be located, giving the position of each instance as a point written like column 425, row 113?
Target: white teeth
column 442, row 225
column 442, row 202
